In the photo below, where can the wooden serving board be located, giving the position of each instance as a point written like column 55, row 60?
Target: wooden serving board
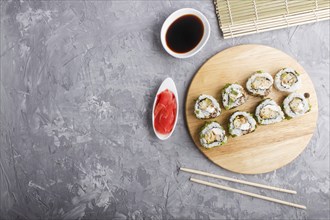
column 270, row 146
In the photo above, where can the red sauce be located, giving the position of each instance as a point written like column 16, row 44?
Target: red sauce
column 165, row 112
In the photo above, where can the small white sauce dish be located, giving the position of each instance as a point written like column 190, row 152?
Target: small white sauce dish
column 172, row 18
column 169, row 84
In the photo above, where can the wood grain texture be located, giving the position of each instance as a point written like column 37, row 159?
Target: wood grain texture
column 270, row 146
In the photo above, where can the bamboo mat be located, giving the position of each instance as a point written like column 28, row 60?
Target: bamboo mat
column 243, row 17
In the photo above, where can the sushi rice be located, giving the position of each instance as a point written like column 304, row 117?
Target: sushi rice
column 207, row 107
column 296, row 104
column 260, row 84
column 233, row 95
column 212, row 135
column 241, row 123
column 268, row 112
column 287, row 80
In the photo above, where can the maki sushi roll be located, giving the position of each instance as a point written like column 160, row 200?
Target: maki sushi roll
column 268, row 112
column 260, row 84
column 233, row 95
column 287, row 80
column 212, row 135
column 296, row 104
column 207, row 107
column 241, row 123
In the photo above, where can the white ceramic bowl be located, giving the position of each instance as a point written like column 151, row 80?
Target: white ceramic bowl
column 169, row 84
column 173, row 17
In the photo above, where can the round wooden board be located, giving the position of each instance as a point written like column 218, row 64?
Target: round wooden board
column 270, row 146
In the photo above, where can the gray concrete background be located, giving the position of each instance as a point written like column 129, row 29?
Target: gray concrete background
column 78, row 80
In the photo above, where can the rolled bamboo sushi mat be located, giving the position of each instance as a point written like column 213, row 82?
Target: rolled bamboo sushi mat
column 243, row 17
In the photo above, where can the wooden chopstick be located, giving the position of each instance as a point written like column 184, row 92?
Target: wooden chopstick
column 237, row 181
column 247, row 193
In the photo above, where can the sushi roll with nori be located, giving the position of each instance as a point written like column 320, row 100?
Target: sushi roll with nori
column 296, row 104
column 241, row 123
column 233, row 95
column 287, row 80
column 212, row 135
column 207, row 107
column 260, row 84
column 268, row 112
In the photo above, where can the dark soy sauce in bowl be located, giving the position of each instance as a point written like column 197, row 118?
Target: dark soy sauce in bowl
column 185, row 33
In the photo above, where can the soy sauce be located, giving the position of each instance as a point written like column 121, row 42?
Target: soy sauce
column 184, row 34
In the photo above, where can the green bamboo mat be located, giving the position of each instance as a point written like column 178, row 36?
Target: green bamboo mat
column 243, row 17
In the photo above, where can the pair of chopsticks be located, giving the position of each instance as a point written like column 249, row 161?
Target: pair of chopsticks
column 241, row 191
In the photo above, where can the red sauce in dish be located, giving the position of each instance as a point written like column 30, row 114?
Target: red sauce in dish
column 165, row 112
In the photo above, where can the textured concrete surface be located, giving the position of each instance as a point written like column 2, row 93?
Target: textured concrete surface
column 77, row 84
